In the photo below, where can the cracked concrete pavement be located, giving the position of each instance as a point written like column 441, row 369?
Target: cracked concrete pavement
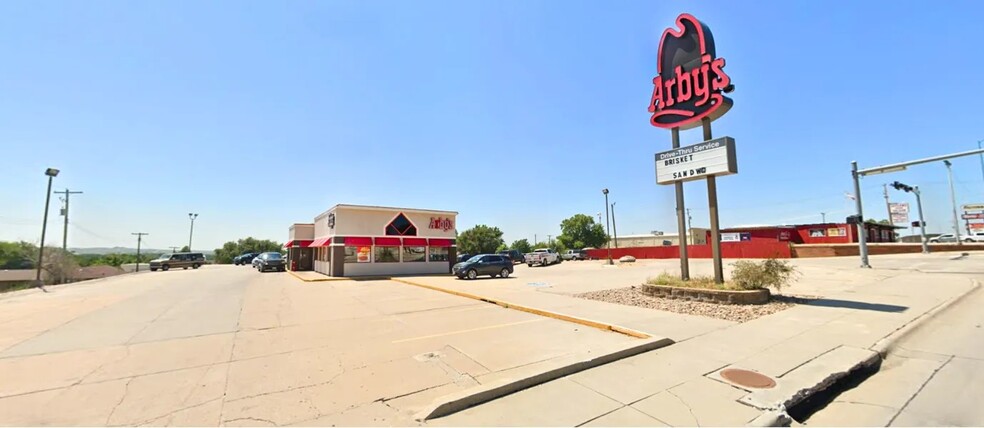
column 800, row 347
column 931, row 377
column 226, row 345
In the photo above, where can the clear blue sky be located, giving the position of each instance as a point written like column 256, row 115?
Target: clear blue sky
column 514, row 113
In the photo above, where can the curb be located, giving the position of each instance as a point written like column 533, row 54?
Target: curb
column 887, row 343
column 569, row 318
column 459, row 401
column 316, row 279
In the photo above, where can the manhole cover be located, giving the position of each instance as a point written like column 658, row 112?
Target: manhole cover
column 748, row 378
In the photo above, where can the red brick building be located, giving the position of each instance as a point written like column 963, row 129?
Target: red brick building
column 817, row 233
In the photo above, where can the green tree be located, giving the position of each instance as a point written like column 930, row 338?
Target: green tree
column 246, row 245
column 522, row 245
column 17, row 255
column 581, row 231
column 502, row 247
column 480, row 239
column 184, row 249
column 555, row 245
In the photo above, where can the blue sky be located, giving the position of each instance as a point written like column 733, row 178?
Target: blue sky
column 514, row 113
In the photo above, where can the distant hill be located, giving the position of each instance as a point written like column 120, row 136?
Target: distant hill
column 126, row 250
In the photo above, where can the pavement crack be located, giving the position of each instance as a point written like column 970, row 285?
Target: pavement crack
column 252, row 419
column 916, row 394
column 126, row 390
column 385, row 399
column 696, row 421
column 173, row 412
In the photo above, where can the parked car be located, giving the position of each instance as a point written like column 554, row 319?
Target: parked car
column 270, row 261
column 463, row 257
column 575, row 255
column 484, row 264
column 514, row 255
column 178, row 260
column 946, row 237
column 542, row 257
column 244, row 259
column 974, row 237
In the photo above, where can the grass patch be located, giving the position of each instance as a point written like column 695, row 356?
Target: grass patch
column 15, row 286
column 703, row 282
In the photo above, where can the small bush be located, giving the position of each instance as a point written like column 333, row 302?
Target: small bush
column 749, row 275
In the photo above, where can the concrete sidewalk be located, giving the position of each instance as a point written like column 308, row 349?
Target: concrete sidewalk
column 800, row 348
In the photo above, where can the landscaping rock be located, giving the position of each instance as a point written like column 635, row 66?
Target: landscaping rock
column 633, row 296
column 627, row 259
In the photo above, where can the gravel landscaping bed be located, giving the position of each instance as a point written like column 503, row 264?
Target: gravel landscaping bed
column 632, row 296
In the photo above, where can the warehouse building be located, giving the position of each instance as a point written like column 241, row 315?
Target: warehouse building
column 360, row 240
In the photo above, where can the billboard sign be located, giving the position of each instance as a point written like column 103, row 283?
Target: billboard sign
column 713, row 157
column 900, row 218
column 973, row 207
column 690, row 78
column 899, row 208
column 973, row 216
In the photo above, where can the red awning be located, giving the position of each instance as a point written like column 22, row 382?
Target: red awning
column 297, row 243
column 358, row 242
column 440, row 242
column 388, row 242
column 415, row 242
column 323, row 242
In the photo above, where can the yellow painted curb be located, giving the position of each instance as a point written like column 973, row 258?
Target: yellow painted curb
column 535, row 311
column 328, row 278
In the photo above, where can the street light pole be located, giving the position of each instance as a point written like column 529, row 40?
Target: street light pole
column 981, row 156
column 953, row 199
column 51, row 173
column 922, row 223
column 608, row 227
column 614, row 229
column 191, row 216
column 862, row 228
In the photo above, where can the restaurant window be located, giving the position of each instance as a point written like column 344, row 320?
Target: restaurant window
column 387, row 254
column 414, row 254
column 438, row 254
column 817, row 233
column 401, row 226
column 357, row 254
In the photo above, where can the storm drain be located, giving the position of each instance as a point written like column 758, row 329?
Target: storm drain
column 748, row 378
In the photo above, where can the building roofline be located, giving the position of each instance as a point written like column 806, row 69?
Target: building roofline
column 382, row 208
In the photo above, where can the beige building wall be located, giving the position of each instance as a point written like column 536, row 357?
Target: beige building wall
column 698, row 236
column 303, row 231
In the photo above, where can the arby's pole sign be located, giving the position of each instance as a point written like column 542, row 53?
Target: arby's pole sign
column 690, row 80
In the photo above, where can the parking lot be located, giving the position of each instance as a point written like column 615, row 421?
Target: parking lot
column 227, row 345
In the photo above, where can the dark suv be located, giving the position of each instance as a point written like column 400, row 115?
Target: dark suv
column 244, row 259
column 484, row 264
column 270, row 261
column 514, row 255
column 178, row 260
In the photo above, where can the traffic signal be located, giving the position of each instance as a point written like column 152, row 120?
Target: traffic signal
column 903, row 187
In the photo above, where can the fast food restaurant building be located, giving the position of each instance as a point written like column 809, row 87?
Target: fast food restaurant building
column 360, row 240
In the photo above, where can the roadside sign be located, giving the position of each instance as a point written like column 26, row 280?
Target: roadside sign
column 900, row 218
column 712, row 157
column 973, row 207
column 899, row 208
column 916, row 224
column 972, row 216
column 976, row 226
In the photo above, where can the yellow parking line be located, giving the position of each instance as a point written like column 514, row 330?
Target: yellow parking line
column 469, row 330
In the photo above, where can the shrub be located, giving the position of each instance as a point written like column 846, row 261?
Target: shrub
column 749, row 275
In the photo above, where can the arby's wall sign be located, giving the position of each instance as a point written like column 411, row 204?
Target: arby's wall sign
column 690, row 80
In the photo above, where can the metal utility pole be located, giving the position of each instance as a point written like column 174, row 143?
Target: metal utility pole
column 51, row 173
column 862, row 228
column 953, row 199
column 712, row 206
column 922, row 224
column 614, row 229
column 888, row 205
column 901, row 166
column 191, row 216
column 67, row 193
column 174, row 249
column 982, row 157
column 690, row 225
column 549, row 240
column 823, row 216
column 608, row 226
column 680, row 210
column 140, row 236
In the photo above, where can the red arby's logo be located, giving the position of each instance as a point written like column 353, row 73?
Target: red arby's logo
column 690, row 77
column 439, row 223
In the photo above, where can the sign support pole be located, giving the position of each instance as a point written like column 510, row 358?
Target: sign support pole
column 922, row 224
column 712, row 205
column 862, row 228
column 681, row 220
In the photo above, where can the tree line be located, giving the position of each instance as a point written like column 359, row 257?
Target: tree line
column 232, row 249
column 577, row 232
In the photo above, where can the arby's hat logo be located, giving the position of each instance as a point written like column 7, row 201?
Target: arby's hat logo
column 690, row 79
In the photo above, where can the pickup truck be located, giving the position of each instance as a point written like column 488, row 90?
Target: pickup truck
column 575, row 255
column 542, row 257
column 949, row 237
